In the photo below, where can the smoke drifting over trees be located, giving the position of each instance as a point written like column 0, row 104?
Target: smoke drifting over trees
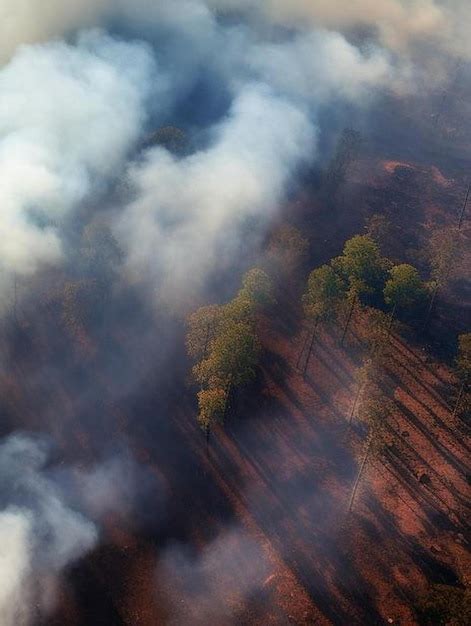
column 96, row 96
column 85, row 88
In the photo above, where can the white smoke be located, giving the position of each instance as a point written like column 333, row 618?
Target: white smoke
column 68, row 116
column 186, row 207
column 217, row 581
column 397, row 24
column 40, row 534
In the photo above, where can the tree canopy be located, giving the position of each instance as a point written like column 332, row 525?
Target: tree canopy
column 325, row 289
column 405, row 289
column 362, row 265
column 223, row 341
column 233, row 357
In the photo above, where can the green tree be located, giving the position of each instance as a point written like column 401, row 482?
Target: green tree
column 256, row 294
column 325, row 291
column 203, row 325
column 223, row 339
column 364, row 270
column 233, row 358
column 404, row 290
column 212, row 408
column 258, row 288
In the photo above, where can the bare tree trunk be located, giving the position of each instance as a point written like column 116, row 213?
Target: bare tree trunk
column 345, row 330
column 463, row 210
column 355, row 404
column 226, row 400
column 208, row 433
column 431, row 305
column 458, row 400
column 392, row 318
column 306, row 338
column 358, row 479
column 313, row 336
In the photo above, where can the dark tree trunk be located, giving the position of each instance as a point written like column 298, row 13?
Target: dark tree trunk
column 309, row 352
column 355, row 404
column 345, row 330
column 392, row 318
column 208, row 434
column 358, row 478
column 300, row 356
column 431, row 305
column 458, row 399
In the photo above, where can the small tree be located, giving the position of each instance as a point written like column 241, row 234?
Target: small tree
column 404, row 291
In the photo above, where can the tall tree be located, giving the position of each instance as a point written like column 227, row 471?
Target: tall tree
column 223, row 340
column 212, row 408
column 233, row 357
column 404, row 291
column 258, row 288
column 375, row 411
column 364, row 270
column 325, row 291
column 203, row 325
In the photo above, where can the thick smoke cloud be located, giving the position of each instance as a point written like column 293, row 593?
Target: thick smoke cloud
column 89, row 111
column 50, row 516
column 190, row 212
column 186, row 207
column 68, row 116
column 398, row 25
column 40, row 534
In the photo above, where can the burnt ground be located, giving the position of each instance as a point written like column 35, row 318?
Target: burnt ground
column 255, row 530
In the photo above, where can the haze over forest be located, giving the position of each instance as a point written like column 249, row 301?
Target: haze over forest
column 235, row 350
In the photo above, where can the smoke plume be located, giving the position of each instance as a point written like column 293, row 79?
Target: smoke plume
column 40, row 534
